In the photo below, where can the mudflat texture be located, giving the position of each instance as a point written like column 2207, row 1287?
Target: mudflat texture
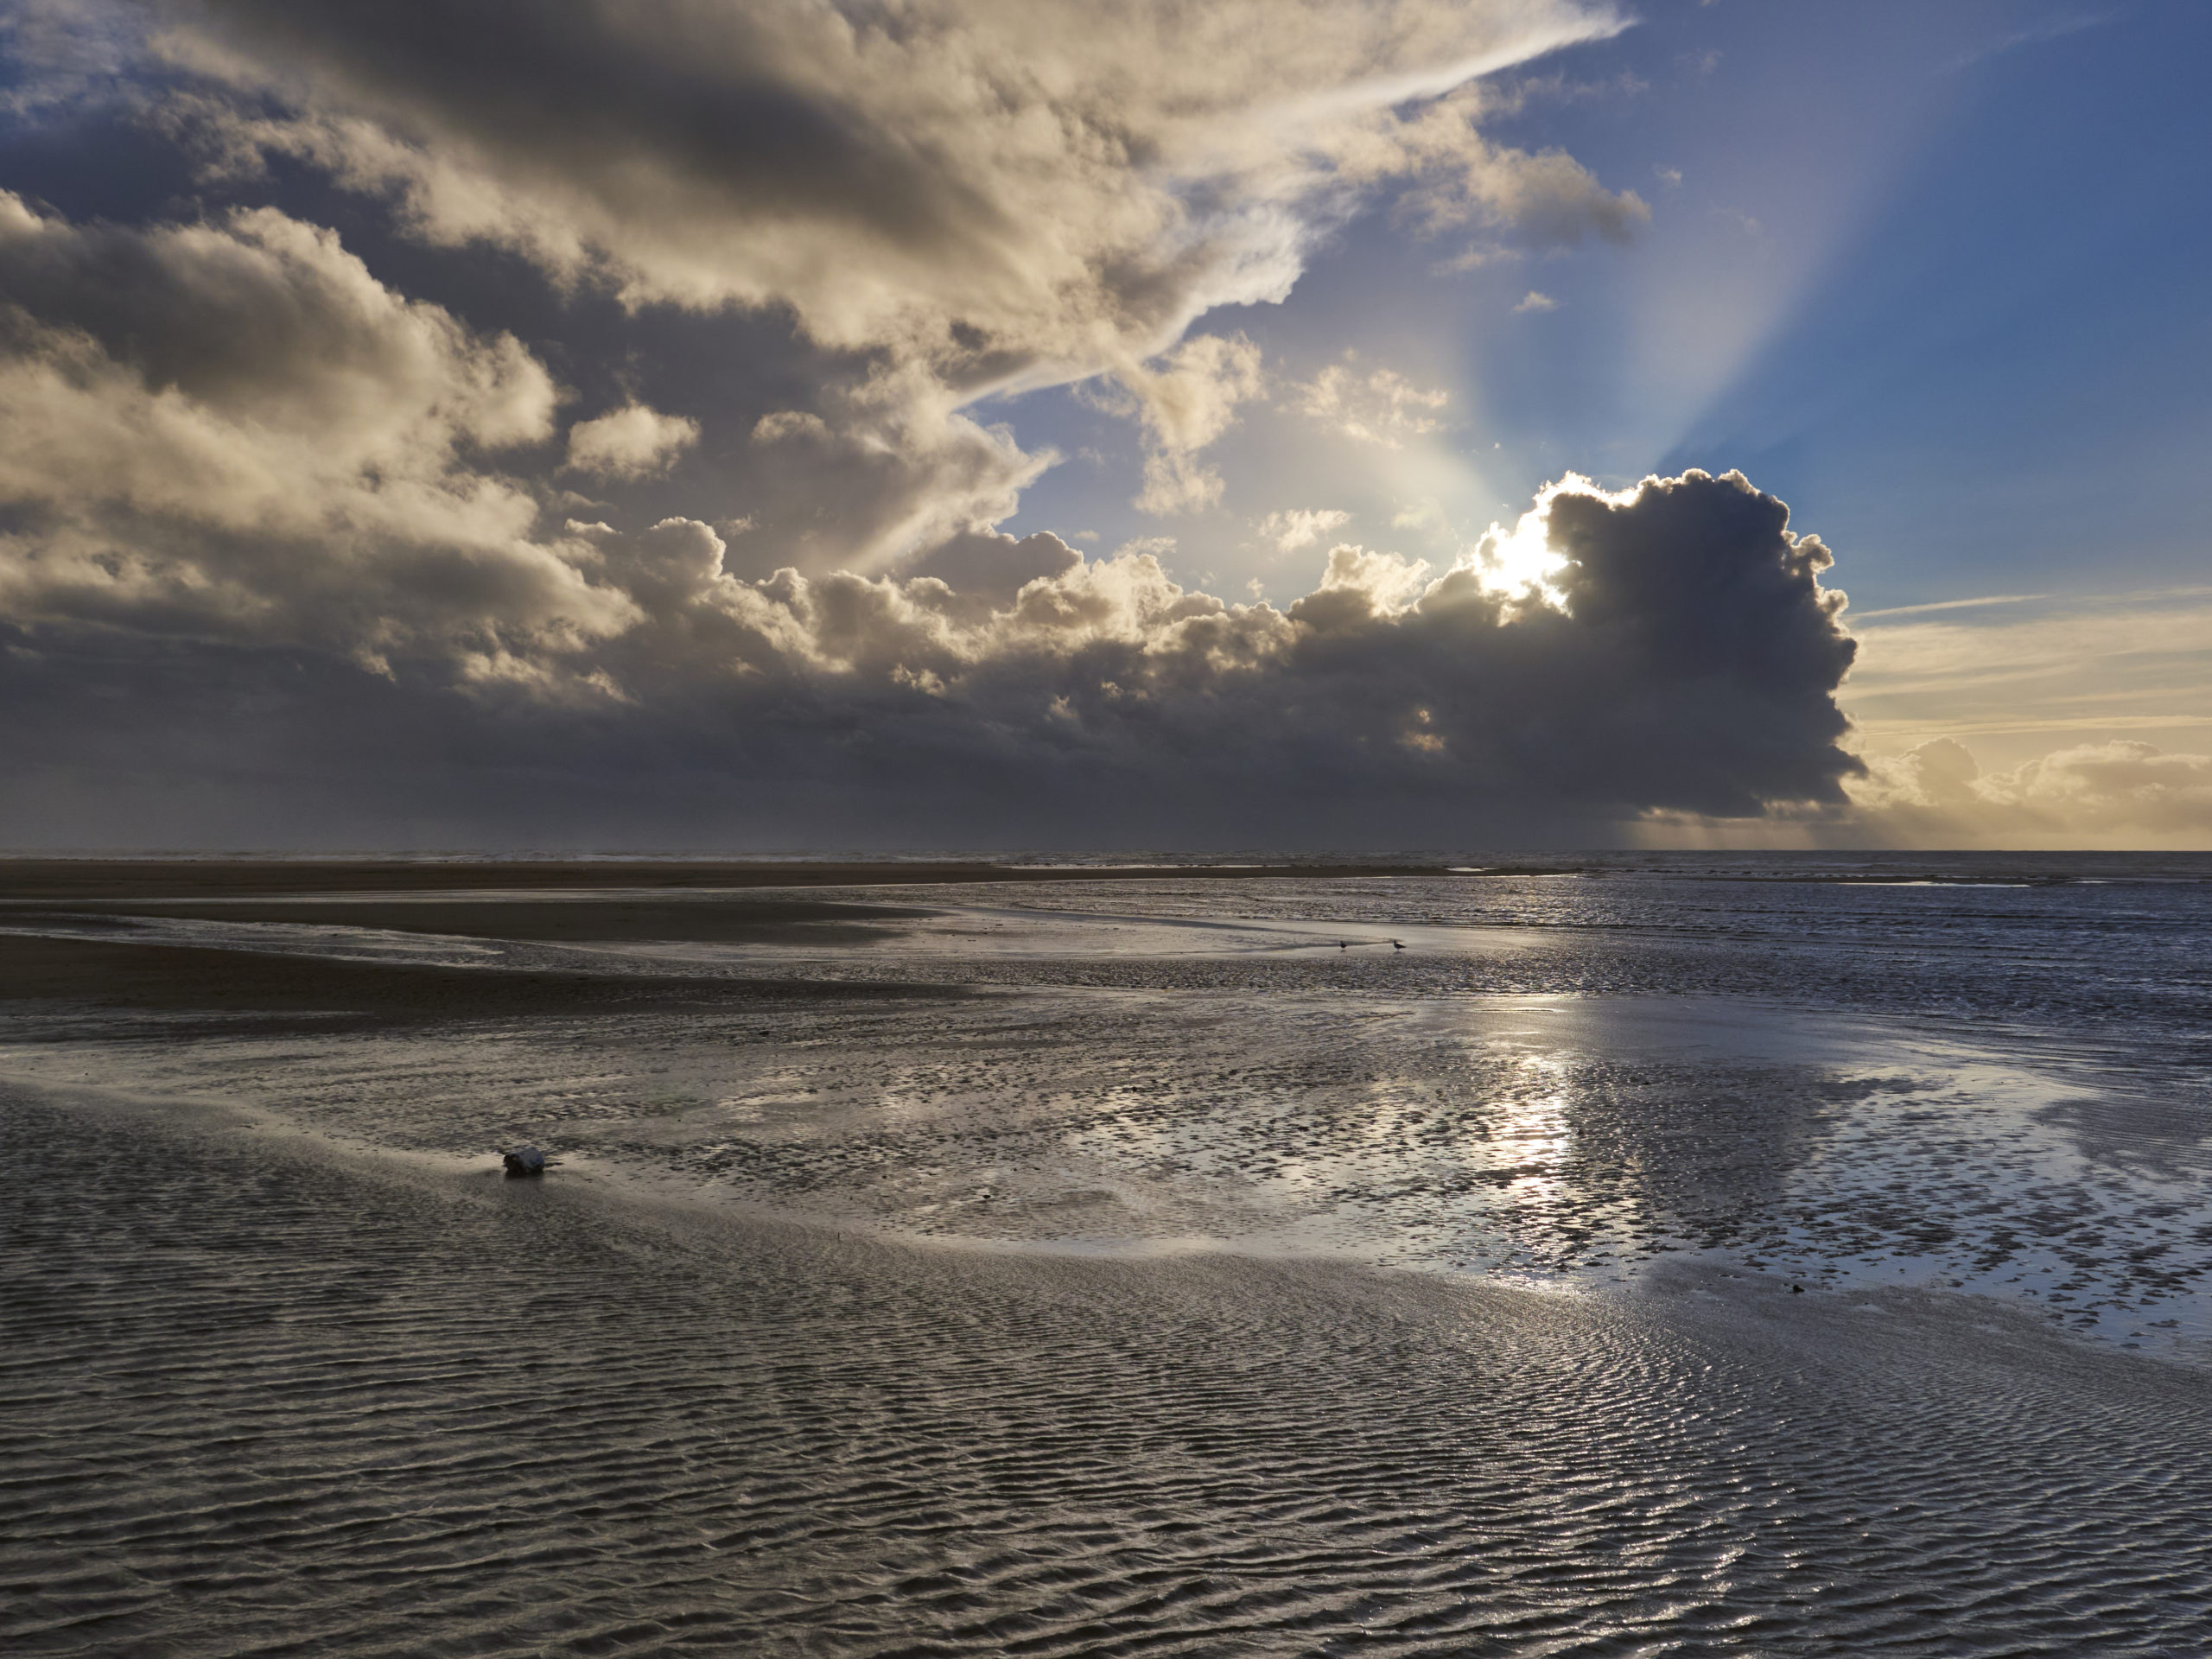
column 1644, row 1261
column 259, row 1399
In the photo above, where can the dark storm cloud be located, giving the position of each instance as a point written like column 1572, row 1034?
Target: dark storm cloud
column 1693, row 670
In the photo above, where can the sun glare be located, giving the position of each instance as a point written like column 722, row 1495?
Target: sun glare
column 1521, row 557
column 1520, row 563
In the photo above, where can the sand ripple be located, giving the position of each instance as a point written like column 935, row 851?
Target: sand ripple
column 255, row 1398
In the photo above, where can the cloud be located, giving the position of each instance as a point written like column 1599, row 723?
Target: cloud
column 893, row 469
column 2120, row 792
column 2023, row 670
column 62, row 51
column 2063, row 689
column 1288, row 530
column 259, row 507
column 902, row 211
column 985, row 571
column 1185, row 403
column 633, row 441
column 1947, row 605
column 1534, row 302
column 1175, row 482
column 1691, row 666
column 233, row 429
column 2037, row 33
column 950, row 198
column 1035, row 173
column 1380, row 407
column 1459, row 177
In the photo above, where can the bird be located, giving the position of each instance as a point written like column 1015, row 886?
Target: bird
column 1397, row 945
column 527, row 1160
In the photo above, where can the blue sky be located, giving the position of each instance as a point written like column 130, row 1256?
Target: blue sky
column 1934, row 275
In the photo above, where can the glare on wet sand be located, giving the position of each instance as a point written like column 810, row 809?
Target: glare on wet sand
column 1423, row 1263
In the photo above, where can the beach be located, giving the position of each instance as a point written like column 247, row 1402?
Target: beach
column 1303, row 1264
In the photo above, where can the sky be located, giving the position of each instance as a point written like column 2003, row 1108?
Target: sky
column 836, row 425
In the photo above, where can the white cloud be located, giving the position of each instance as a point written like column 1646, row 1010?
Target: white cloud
column 896, row 469
column 2124, row 793
column 1288, row 530
column 1475, row 258
column 1177, row 483
column 1380, row 407
column 1534, row 302
column 1185, row 404
column 1029, row 170
column 2036, row 34
column 633, row 441
column 957, row 197
column 780, row 424
column 1192, row 398
column 232, row 428
column 1460, row 178
column 2023, row 673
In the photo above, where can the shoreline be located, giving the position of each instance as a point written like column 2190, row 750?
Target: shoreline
column 1696, row 1295
column 24, row 880
column 34, row 878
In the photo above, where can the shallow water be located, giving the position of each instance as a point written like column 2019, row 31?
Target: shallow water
column 1166, row 1266
column 1995, row 1089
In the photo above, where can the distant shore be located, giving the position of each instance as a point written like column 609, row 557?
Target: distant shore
column 46, row 879
column 60, row 879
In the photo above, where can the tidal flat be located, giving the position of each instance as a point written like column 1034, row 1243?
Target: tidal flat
column 1630, row 1255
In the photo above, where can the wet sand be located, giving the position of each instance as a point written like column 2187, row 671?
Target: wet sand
column 187, row 979
column 262, row 1396
column 697, row 917
column 975, row 1268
